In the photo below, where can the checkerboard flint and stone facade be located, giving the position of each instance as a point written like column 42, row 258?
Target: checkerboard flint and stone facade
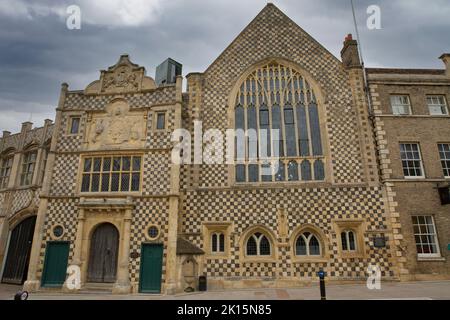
column 205, row 197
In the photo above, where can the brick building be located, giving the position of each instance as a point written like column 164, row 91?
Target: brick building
column 120, row 214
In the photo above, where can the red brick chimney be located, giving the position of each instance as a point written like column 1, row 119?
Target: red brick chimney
column 349, row 53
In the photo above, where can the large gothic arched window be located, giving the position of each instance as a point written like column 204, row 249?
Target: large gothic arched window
column 276, row 96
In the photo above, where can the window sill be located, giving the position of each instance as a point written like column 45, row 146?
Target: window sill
column 259, row 260
column 431, row 259
column 212, row 256
column 297, row 260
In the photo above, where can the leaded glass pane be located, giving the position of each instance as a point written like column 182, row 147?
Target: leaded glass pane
column 319, row 172
column 251, row 247
column 315, row 130
column 306, row 170
column 314, row 246
column 293, row 171
column 300, row 246
column 264, row 246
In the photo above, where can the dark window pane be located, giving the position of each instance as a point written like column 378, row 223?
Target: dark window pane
column 136, row 163
column 253, row 173
column 97, row 164
column 319, row 172
column 351, row 240
column 135, row 181
column 264, row 117
column 126, row 163
column 264, row 246
column 85, row 183
column 288, row 115
column 315, row 130
column 251, row 247
column 314, row 246
column 106, row 164
column 95, row 184
column 125, row 185
column 105, row 182
column 222, row 243
column 300, row 247
column 239, row 118
column 302, row 131
column 214, row 243
column 87, row 164
column 75, row 125
column 306, row 170
column 161, row 121
column 240, row 173
column 344, row 241
column 115, row 182
column 116, row 164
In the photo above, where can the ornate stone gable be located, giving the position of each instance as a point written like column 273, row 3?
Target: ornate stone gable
column 123, row 77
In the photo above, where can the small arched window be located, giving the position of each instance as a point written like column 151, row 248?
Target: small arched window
column 308, row 244
column 217, row 242
column 277, row 97
column 348, row 240
column 258, row 245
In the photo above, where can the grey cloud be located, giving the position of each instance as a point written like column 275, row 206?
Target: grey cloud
column 38, row 52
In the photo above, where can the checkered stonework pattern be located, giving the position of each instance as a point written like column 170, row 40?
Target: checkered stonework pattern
column 60, row 212
column 21, row 200
column 70, row 142
column 34, row 136
column 65, row 171
column 147, row 211
column 160, row 139
column 272, row 34
column 316, row 206
column 156, row 171
column 80, row 101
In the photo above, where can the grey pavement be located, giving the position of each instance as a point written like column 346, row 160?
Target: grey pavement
column 426, row 290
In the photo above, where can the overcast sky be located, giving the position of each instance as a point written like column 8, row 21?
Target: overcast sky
column 38, row 52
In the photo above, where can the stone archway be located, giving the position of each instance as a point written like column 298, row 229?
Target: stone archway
column 19, row 249
column 103, row 254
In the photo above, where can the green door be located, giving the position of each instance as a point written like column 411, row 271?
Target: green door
column 151, row 268
column 55, row 265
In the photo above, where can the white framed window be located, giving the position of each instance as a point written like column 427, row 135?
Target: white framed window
column 5, row 170
column 258, row 245
column 217, row 242
column 444, row 154
column 28, row 166
column 348, row 240
column 425, row 236
column 400, row 105
column 308, row 244
column 437, row 105
column 411, row 160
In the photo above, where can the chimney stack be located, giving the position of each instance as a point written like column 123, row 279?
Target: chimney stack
column 6, row 134
column 446, row 59
column 349, row 53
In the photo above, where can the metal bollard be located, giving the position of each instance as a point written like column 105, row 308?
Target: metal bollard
column 21, row 295
column 322, row 274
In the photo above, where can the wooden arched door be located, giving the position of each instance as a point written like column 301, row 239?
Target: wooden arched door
column 103, row 254
column 19, row 249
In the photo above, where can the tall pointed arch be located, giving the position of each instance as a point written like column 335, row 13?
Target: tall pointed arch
column 275, row 95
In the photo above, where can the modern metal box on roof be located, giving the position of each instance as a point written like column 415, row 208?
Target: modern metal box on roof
column 167, row 72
